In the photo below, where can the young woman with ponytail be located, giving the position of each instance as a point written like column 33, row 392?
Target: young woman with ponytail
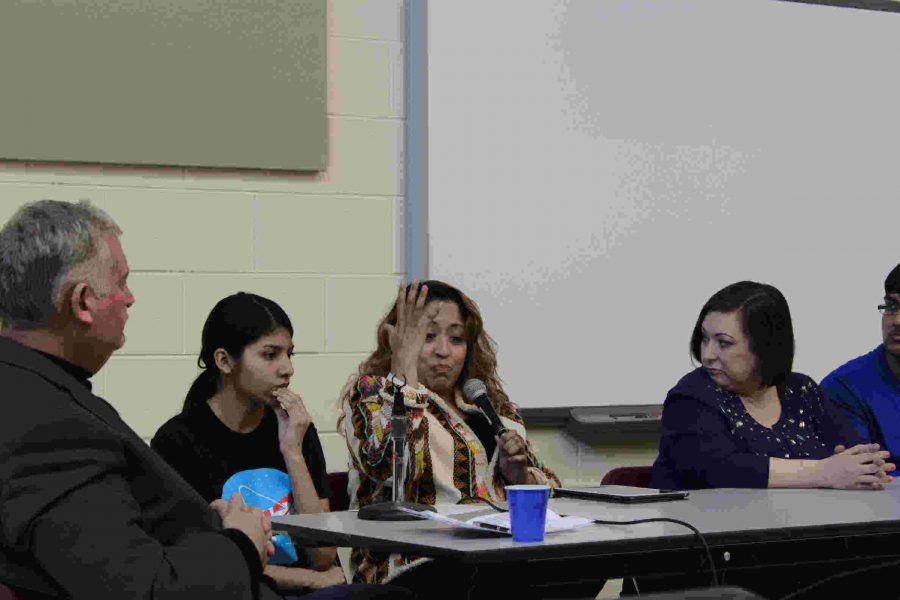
column 239, row 416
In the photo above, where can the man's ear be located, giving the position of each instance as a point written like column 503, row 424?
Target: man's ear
column 223, row 361
column 79, row 302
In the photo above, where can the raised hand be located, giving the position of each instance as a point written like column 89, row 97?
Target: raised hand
column 293, row 419
column 862, row 467
column 407, row 337
column 513, row 459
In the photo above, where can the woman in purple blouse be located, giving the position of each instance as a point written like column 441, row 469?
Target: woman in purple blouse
column 745, row 420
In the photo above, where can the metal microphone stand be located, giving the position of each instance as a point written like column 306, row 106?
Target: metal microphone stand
column 391, row 511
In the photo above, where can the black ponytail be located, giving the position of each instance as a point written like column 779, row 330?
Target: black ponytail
column 234, row 323
column 204, row 387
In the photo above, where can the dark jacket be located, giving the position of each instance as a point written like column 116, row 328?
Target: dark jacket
column 88, row 510
column 710, row 441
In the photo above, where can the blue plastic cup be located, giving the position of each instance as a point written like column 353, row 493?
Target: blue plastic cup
column 527, row 511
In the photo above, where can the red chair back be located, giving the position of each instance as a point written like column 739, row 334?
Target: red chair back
column 632, row 476
column 7, row 593
column 337, row 483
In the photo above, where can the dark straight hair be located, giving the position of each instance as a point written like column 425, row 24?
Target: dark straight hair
column 766, row 321
column 892, row 281
column 234, row 323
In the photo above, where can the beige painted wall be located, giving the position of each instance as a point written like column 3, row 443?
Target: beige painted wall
column 328, row 247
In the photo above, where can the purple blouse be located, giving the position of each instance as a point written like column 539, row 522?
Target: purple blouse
column 710, row 440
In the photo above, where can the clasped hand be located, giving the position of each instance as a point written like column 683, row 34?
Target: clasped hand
column 862, row 467
column 249, row 520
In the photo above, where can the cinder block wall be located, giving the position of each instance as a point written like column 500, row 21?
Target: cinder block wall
column 327, row 246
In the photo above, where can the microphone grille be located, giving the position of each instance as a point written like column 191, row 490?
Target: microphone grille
column 473, row 388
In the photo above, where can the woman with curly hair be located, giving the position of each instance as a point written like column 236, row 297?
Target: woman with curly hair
column 433, row 339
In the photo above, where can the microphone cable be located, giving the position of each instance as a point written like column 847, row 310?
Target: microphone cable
column 697, row 534
column 472, row 499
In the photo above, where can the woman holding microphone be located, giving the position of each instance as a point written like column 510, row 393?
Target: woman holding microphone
column 429, row 344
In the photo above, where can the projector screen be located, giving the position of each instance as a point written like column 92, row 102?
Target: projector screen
column 598, row 168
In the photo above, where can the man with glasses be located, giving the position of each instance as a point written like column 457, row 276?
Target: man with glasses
column 867, row 388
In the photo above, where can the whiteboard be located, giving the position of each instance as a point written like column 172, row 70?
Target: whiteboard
column 598, row 169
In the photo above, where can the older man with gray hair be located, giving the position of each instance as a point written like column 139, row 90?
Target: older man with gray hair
column 87, row 509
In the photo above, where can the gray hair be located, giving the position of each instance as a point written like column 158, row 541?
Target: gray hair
column 39, row 248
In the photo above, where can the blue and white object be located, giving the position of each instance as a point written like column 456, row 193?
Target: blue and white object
column 270, row 491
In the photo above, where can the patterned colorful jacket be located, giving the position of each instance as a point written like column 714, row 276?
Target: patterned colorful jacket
column 447, row 462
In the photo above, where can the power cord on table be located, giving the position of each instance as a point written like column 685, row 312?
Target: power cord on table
column 709, row 558
column 473, row 499
column 712, row 566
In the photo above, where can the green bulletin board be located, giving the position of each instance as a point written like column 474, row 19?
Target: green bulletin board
column 207, row 83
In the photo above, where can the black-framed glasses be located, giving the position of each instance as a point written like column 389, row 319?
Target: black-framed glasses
column 891, row 308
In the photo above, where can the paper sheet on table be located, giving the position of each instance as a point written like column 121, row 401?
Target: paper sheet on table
column 499, row 522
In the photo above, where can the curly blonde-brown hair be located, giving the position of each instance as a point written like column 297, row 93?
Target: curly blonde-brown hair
column 481, row 350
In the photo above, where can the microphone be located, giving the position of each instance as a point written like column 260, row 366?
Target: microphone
column 475, row 391
column 396, row 509
column 398, row 435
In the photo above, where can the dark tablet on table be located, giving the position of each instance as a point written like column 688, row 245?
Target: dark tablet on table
column 619, row 493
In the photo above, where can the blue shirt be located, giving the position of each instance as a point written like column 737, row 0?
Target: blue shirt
column 709, row 440
column 868, row 393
